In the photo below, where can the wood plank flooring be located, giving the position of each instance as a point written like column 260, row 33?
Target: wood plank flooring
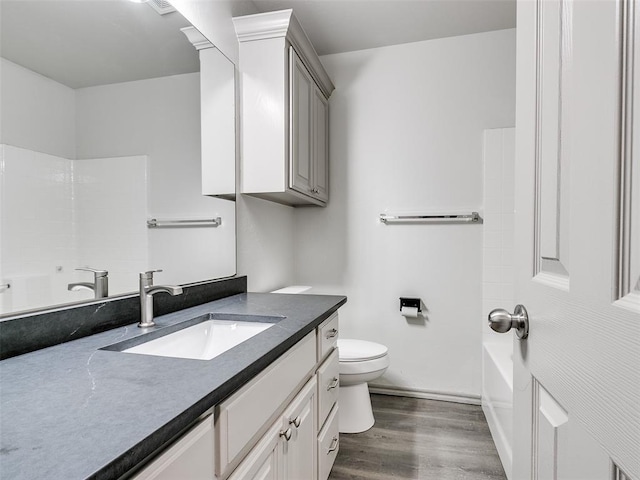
column 420, row 439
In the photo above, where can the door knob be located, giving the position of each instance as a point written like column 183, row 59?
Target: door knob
column 502, row 321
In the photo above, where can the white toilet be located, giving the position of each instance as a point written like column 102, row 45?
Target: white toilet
column 360, row 362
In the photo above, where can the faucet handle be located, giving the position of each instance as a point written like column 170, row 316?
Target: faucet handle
column 97, row 273
column 149, row 273
column 146, row 278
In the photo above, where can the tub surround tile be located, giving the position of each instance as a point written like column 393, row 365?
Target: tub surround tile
column 23, row 333
column 75, row 411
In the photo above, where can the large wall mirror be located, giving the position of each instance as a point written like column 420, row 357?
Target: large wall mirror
column 100, row 133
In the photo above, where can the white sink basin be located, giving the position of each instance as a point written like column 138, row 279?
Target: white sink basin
column 202, row 341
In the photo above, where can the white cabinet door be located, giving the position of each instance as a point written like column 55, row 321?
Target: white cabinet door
column 300, row 449
column 301, row 105
column 320, row 145
column 577, row 375
column 189, row 457
column 288, row 450
column 265, row 460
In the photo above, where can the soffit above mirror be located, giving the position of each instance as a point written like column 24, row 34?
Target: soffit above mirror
column 88, row 43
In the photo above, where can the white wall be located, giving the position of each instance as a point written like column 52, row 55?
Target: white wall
column 43, row 121
column 406, row 135
column 160, row 118
column 265, row 243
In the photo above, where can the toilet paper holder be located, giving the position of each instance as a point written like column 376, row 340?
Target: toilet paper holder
column 411, row 302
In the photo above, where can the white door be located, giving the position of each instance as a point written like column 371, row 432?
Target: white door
column 577, row 375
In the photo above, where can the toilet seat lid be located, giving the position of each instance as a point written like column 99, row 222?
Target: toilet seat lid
column 359, row 350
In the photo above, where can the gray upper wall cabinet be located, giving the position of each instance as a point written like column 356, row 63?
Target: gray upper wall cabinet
column 285, row 113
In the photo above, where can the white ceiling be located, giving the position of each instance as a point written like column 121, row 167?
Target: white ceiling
column 336, row 26
column 86, row 43
column 82, row 43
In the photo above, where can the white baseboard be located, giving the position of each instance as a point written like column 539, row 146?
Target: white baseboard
column 427, row 394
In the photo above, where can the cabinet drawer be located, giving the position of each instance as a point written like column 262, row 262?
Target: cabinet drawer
column 328, row 383
column 189, row 457
column 328, row 443
column 245, row 413
column 327, row 336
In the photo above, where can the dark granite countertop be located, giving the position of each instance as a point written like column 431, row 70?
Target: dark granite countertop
column 73, row 411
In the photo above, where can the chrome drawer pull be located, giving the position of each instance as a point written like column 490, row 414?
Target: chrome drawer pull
column 295, row 421
column 333, row 384
column 286, row 434
column 332, row 333
column 334, row 445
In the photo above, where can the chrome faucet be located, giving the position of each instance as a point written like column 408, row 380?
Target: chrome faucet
column 100, row 285
column 147, row 291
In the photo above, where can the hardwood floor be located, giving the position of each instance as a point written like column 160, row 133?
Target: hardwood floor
column 420, row 439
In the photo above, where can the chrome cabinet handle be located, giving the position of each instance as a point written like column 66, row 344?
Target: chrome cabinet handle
column 334, row 445
column 331, row 333
column 295, row 422
column 502, row 321
column 286, row 434
column 333, row 384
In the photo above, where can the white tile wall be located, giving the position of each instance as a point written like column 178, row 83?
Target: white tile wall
column 59, row 214
column 497, row 257
column 110, row 218
column 37, row 227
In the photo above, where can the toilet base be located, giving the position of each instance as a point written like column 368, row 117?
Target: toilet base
column 355, row 414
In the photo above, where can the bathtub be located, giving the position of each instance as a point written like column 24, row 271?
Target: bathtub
column 497, row 397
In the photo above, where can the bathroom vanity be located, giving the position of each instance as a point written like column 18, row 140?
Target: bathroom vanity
column 271, row 427
column 264, row 407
